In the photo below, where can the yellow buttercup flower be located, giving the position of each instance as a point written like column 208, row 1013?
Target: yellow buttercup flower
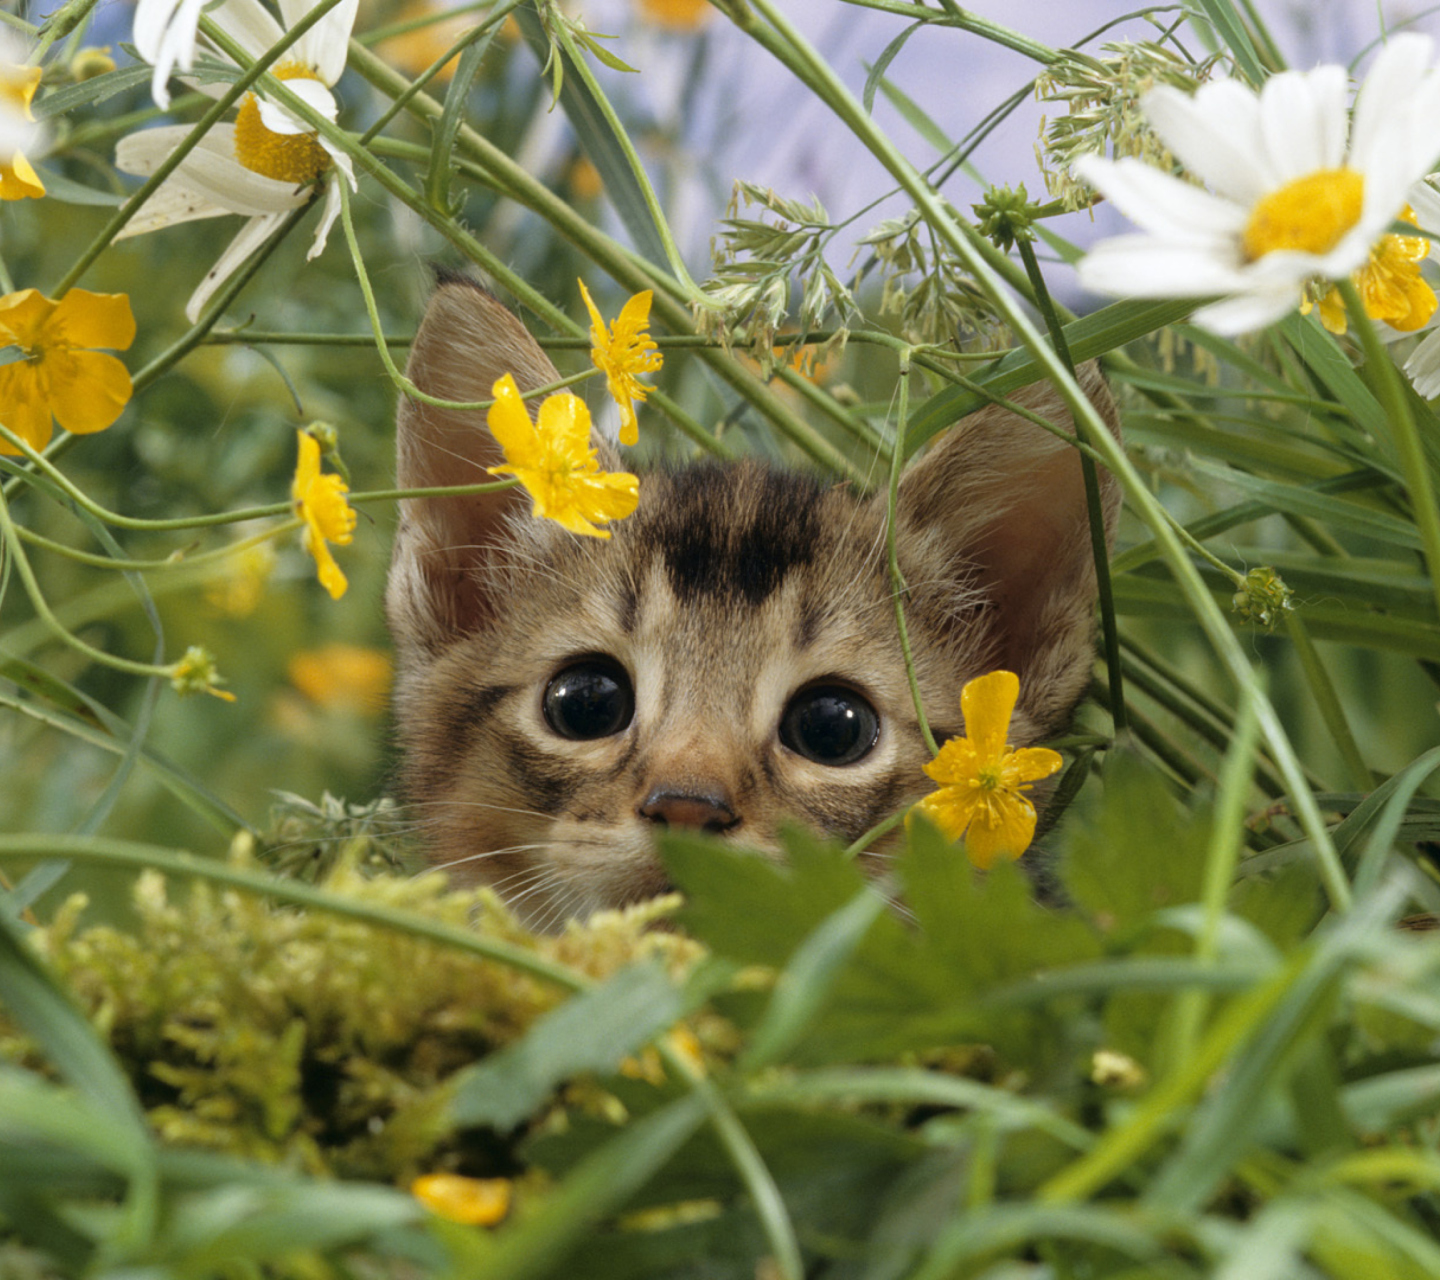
column 1390, row 284
column 676, row 15
column 623, row 352
column 342, row 677
column 57, row 375
column 477, row 1202
column 320, row 502
column 18, row 180
column 553, row 459
column 982, row 779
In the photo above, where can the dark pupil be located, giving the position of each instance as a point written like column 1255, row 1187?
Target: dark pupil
column 589, row 700
column 830, row 726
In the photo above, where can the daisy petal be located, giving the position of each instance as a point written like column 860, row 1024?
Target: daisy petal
column 1423, row 366
column 326, row 45
column 328, row 214
column 1302, row 122
column 1160, row 203
column 252, row 236
column 1214, row 134
column 1144, row 267
column 168, row 207
column 1389, row 90
column 311, row 92
column 1249, row 311
column 249, row 24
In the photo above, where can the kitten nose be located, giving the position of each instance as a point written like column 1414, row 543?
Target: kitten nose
column 706, row 810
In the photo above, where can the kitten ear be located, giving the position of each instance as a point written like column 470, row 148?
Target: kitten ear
column 996, row 510
column 467, row 340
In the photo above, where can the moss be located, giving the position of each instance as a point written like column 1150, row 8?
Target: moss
column 314, row 1039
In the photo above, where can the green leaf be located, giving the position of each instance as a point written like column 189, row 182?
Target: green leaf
column 1142, row 852
column 810, row 977
column 596, row 139
column 437, row 180
column 36, row 1003
column 1231, row 28
column 591, row 1032
column 602, row 1184
column 88, row 92
column 68, row 191
column 1090, row 336
column 911, row 112
column 1328, row 364
column 1222, row 1131
column 233, row 1225
column 882, row 64
column 747, row 908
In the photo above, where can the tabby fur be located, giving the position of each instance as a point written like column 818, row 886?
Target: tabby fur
column 730, row 588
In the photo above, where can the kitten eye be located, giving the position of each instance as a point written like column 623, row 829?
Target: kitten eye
column 592, row 698
column 829, row 724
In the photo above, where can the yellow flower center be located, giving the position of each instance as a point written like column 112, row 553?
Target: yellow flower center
column 1310, row 214
column 286, row 157
column 987, row 777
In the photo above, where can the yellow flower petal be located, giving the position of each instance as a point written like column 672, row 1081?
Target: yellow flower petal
column 1029, row 764
column 477, row 1202
column 621, row 354
column 987, row 704
column 85, row 319
column 88, row 390
column 553, row 459
column 320, row 502
column 56, row 374
column 23, row 408
column 982, row 781
column 1001, row 829
column 18, row 179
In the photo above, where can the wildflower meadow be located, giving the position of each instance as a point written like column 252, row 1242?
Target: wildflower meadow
column 244, row 1033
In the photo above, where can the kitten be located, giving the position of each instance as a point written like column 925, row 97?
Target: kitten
column 728, row 660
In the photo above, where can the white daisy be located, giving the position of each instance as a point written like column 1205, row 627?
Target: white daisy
column 164, row 33
column 1289, row 202
column 268, row 162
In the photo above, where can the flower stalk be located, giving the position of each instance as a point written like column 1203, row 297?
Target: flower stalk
column 787, row 44
column 1414, row 466
column 1099, row 550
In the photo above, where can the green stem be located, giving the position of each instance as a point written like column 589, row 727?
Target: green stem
column 794, row 51
column 1220, row 862
column 965, row 20
column 1098, row 548
column 691, row 292
column 897, row 579
column 1413, row 464
column 1327, row 702
column 10, row 536
column 172, row 162
column 509, row 178
column 378, row 330
column 754, row 1173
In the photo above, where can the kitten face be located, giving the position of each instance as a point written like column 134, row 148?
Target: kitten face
column 728, row 660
